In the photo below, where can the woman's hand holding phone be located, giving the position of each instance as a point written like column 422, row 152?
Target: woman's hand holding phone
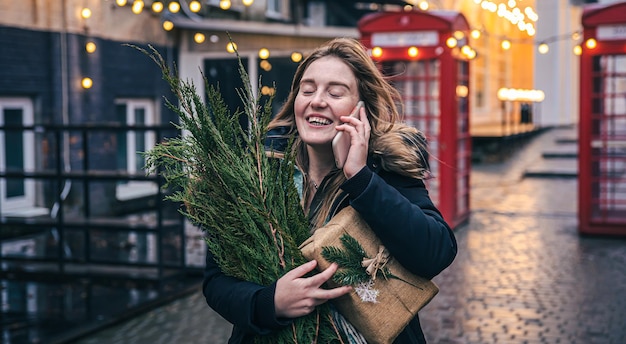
column 343, row 140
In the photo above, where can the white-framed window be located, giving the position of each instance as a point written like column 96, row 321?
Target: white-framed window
column 132, row 144
column 277, row 9
column 17, row 154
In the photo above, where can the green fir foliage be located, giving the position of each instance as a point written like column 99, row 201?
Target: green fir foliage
column 245, row 202
column 349, row 260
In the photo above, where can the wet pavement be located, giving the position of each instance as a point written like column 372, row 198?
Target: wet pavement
column 523, row 273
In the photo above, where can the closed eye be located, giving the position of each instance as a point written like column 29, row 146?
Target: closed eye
column 307, row 88
column 337, row 91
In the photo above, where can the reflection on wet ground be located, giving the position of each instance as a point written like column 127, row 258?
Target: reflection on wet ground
column 44, row 312
column 47, row 302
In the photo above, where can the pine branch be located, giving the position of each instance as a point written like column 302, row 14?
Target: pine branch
column 349, row 259
column 245, row 202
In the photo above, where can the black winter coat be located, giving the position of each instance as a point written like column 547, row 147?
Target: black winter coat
column 399, row 211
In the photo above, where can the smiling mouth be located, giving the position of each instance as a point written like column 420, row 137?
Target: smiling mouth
column 318, row 121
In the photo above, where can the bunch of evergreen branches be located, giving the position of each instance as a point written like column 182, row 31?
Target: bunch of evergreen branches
column 245, row 202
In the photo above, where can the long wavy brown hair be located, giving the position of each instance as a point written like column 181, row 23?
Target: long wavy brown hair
column 399, row 147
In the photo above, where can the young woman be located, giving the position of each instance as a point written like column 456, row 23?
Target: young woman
column 382, row 179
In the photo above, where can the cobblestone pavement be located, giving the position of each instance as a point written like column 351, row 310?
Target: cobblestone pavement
column 522, row 275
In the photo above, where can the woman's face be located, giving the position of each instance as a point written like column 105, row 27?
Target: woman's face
column 328, row 90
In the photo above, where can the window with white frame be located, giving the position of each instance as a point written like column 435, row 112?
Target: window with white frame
column 276, row 9
column 17, row 154
column 131, row 145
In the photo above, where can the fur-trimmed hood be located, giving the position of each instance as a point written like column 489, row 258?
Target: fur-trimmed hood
column 402, row 150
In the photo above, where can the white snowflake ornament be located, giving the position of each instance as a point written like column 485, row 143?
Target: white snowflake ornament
column 366, row 292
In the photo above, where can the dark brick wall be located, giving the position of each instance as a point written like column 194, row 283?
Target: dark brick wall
column 24, row 60
column 25, row 64
column 31, row 65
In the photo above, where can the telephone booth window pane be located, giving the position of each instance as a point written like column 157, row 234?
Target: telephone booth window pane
column 463, row 138
column 609, row 137
column 418, row 84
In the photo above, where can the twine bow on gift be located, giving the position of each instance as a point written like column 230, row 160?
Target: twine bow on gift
column 373, row 265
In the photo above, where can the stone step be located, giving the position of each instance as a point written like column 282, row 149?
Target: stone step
column 566, row 140
column 559, row 155
column 553, row 168
column 561, row 151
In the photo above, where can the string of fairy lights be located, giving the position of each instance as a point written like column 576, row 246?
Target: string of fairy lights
column 515, row 12
column 522, row 17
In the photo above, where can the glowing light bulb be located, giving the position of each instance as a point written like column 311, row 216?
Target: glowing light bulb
column 85, row 13
column 543, row 48
column 506, row 44
column 266, row 66
column 195, row 6
column 174, row 7
column 157, row 7
column 377, row 52
column 86, row 83
column 137, row 7
column 578, row 50
column 231, row 47
column 451, row 42
column 475, row 34
column 168, row 25
column 120, row 3
column 462, row 91
column 264, row 53
column 591, row 43
column 90, row 47
column 247, row 2
column 199, row 37
column 413, row 51
column 268, row 91
column 296, row 56
column 225, row 4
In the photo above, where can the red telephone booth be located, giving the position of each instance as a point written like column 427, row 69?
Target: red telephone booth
column 602, row 123
column 425, row 56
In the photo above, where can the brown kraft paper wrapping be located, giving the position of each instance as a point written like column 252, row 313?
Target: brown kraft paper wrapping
column 398, row 300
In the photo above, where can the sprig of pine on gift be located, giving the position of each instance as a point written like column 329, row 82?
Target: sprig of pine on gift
column 356, row 269
column 245, row 202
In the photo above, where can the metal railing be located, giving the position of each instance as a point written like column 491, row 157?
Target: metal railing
column 88, row 232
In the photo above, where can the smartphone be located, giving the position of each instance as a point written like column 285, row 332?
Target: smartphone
column 341, row 141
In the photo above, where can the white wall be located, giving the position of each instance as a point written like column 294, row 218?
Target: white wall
column 557, row 72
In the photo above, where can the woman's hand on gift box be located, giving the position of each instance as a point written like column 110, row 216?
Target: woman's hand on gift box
column 297, row 295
